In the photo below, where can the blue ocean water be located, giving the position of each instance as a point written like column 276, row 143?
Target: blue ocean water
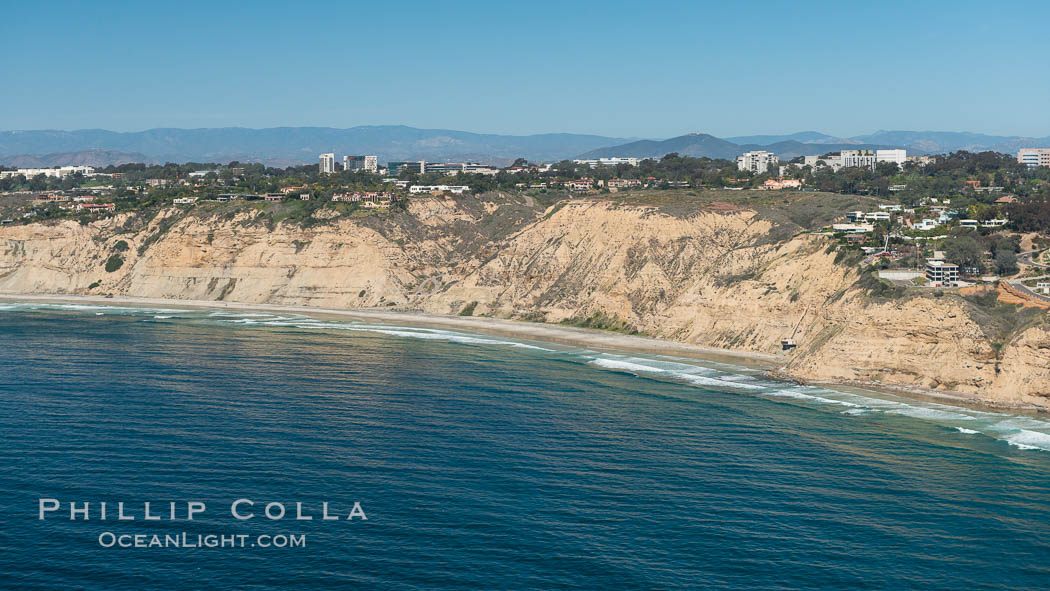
column 487, row 463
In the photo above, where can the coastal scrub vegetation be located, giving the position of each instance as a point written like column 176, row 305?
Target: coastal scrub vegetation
column 602, row 321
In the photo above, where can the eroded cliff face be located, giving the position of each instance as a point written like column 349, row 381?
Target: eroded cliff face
column 711, row 278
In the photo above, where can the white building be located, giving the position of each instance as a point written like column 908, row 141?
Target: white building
column 858, row 158
column 757, row 162
column 1034, row 157
column 853, row 228
column 60, row 172
column 327, row 165
column 898, row 157
column 456, row 189
column 609, row 161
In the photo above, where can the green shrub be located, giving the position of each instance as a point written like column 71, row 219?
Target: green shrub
column 468, row 310
column 113, row 263
column 121, row 246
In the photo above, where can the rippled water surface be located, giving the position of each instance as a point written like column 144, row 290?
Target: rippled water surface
column 488, row 463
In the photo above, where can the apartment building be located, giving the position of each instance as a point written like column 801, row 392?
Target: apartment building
column 327, row 164
column 757, row 162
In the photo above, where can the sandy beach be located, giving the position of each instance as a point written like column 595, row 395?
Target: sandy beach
column 564, row 335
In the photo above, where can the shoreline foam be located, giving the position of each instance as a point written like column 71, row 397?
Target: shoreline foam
column 556, row 334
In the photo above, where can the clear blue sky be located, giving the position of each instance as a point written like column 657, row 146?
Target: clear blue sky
column 641, row 69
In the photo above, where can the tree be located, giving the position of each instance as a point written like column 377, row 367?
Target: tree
column 1005, row 262
column 963, row 251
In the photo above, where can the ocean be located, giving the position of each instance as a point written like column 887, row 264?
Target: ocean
column 468, row 461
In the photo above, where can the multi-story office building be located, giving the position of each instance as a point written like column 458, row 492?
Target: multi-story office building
column 858, row 158
column 327, row 165
column 365, row 163
column 757, row 162
column 1034, row 156
column 396, row 168
column 898, row 157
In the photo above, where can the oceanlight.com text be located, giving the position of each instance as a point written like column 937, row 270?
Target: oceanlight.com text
column 186, row 540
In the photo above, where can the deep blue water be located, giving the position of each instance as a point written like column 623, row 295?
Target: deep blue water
column 482, row 463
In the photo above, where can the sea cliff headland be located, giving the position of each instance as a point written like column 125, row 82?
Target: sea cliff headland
column 700, row 272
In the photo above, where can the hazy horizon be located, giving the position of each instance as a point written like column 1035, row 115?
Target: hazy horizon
column 526, row 134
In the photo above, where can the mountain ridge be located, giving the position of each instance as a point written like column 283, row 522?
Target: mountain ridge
column 287, row 146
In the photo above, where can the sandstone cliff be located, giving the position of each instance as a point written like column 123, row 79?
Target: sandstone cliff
column 711, row 277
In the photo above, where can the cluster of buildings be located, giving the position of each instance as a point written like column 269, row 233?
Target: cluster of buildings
column 326, row 165
column 860, row 222
column 365, row 163
column 1033, row 157
column 761, row 162
column 76, row 203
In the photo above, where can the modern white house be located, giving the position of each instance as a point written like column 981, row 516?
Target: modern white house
column 853, row 228
column 996, row 223
column 942, row 274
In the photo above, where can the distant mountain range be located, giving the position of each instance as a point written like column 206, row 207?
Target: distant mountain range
column 702, row 144
column 812, row 143
column 284, row 146
column 94, row 157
